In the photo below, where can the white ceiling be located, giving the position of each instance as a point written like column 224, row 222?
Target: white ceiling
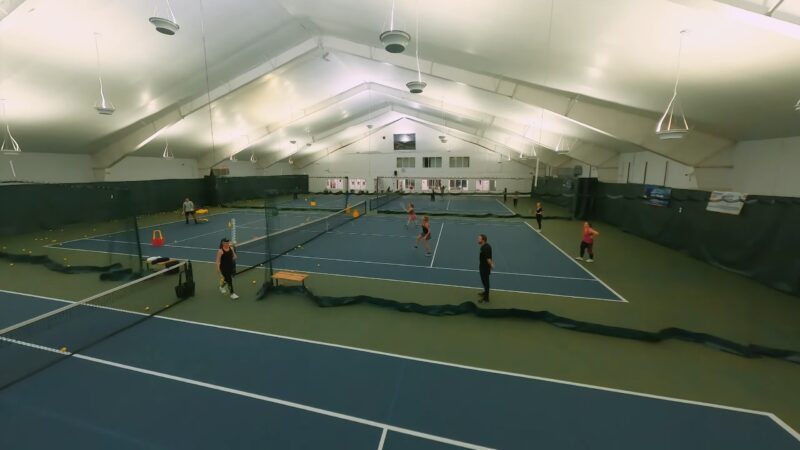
column 519, row 74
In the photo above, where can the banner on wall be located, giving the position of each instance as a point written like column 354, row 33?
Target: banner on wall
column 726, row 202
column 657, row 195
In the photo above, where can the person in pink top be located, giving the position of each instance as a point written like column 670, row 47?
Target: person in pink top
column 412, row 215
column 587, row 242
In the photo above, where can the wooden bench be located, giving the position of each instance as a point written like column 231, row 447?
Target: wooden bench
column 290, row 276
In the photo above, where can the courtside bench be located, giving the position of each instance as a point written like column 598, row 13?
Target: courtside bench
column 290, row 276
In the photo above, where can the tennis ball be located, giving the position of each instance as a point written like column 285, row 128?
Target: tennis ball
column 147, row 308
column 63, row 349
column 254, row 281
column 166, row 306
column 65, row 259
column 10, row 264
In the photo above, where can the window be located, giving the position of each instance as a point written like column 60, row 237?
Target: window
column 405, row 163
column 486, row 185
column 358, row 184
column 406, row 141
column 428, row 185
column 432, row 162
column 334, row 184
column 459, row 161
column 406, row 184
column 458, row 185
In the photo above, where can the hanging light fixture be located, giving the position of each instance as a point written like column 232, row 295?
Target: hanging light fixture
column 672, row 124
column 394, row 41
column 253, row 157
column 168, row 26
column 167, row 154
column 103, row 105
column 417, row 86
column 9, row 145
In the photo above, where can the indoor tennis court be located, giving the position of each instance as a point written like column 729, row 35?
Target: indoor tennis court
column 400, row 225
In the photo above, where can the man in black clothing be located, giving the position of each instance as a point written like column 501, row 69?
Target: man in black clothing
column 505, row 195
column 486, row 265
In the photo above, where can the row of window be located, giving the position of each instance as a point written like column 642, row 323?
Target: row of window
column 432, row 162
column 411, row 185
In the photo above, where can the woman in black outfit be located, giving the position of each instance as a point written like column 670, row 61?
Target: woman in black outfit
column 539, row 214
column 226, row 266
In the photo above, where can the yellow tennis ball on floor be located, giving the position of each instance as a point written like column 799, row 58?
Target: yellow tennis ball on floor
column 63, row 349
column 10, row 264
column 65, row 259
column 166, row 306
column 254, row 281
column 147, row 308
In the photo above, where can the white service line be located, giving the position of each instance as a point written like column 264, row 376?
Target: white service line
column 383, row 439
column 576, row 262
column 441, row 232
column 772, row 416
column 506, row 207
column 281, row 402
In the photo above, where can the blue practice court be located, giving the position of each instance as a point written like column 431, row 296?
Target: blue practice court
column 168, row 383
column 382, row 247
column 458, row 204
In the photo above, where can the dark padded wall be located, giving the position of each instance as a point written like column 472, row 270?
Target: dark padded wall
column 28, row 207
column 761, row 243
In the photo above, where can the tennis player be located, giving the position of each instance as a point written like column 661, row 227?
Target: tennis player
column 226, row 266
column 587, row 242
column 188, row 210
column 412, row 215
column 539, row 214
column 485, row 266
column 425, row 235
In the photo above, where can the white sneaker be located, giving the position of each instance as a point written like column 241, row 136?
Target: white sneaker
column 234, row 296
column 589, row 260
column 579, row 258
column 223, row 290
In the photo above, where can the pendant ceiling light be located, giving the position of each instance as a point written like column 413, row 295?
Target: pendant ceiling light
column 394, row 41
column 167, row 154
column 417, row 86
column 164, row 25
column 8, row 145
column 253, row 157
column 672, row 124
column 103, row 105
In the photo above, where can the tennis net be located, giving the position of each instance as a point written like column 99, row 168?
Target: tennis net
column 381, row 200
column 272, row 245
column 35, row 344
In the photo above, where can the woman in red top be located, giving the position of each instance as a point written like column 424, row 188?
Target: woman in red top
column 587, row 242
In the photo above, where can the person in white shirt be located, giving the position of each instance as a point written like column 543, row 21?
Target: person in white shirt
column 188, row 209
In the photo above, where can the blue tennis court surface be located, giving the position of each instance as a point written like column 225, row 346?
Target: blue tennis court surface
column 452, row 204
column 381, row 247
column 168, row 383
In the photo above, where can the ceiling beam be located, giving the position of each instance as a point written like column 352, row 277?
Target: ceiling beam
column 140, row 133
column 627, row 125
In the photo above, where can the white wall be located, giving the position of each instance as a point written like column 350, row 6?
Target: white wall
column 135, row 168
column 47, row 168
column 375, row 157
column 768, row 167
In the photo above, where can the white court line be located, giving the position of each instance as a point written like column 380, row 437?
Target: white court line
column 506, row 207
column 264, row 398
column 576, row 262
column 441, row 232
column 383, row 439
column 289, row 255
column 772, row 416
column 447, row 208
column 207, row 234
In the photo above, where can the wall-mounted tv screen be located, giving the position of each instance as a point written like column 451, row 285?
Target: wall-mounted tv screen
column 405, row 141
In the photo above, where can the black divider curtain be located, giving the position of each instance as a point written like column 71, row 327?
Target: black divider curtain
column 760, row 243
